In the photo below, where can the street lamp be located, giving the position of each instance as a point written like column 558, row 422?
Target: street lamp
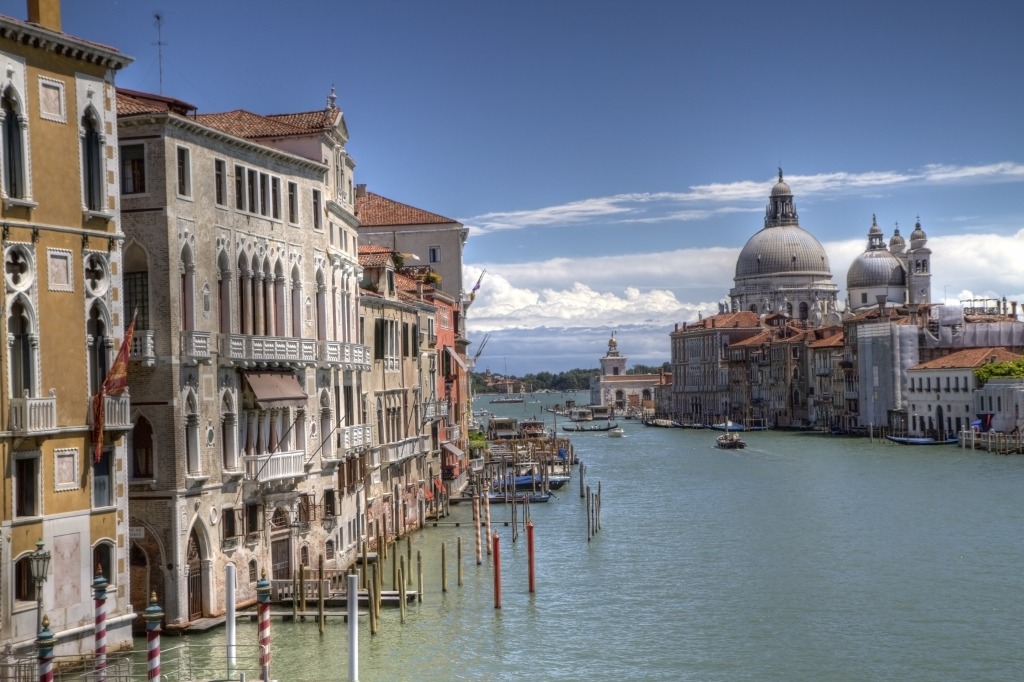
column 40, row 564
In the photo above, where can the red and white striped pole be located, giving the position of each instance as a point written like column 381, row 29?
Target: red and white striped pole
column 44, row 650
column 154, row 614
column 99, row 589
column 263, row 607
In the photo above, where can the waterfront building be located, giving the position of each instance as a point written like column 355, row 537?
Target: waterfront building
column 422, row 239
column 427, row 250
column 249, row 440
column 624, row 394
column 64, row 321
column 700, row 365
column 942, row 399
column 826, row 354
column 999, row 405
column 782, row 267
column 403, row 454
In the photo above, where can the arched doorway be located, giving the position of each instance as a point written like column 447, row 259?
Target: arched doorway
column 194, row 568
column 940, row 423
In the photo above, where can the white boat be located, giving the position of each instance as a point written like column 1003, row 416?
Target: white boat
column 617, row 432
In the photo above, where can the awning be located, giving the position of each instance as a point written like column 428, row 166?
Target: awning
column 455, row 357
column 454, row 450
column 276, row 389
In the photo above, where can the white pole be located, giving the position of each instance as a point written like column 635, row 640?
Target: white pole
column 229, row 614
column 353, row 628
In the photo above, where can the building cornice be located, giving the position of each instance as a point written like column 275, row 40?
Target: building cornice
column 62, row 44
column 186, row 124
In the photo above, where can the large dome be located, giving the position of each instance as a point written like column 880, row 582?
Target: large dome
column 782, row 268
column 785, row 249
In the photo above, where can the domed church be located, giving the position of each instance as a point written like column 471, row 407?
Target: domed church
column 783, row 268
column 893, row 276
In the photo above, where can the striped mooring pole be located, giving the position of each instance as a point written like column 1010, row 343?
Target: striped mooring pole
column 263, row 606
column 154, row 614
column 44, row 648
column 99, row 590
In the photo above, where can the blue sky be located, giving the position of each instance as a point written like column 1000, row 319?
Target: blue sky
column 612, row 158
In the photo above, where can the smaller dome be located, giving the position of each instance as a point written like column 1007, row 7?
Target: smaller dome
column 918, row 237
column 873, row 269
column 897, row 240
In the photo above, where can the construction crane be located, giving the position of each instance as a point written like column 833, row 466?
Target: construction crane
column 476, row 356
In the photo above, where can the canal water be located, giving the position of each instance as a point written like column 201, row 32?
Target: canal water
column 801, row 557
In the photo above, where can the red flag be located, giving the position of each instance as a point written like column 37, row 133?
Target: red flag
column 114, row 384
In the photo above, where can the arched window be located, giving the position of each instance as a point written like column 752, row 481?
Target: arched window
column 24, row 586
column 229, row 431
column 14, row 147
column 92, row 161
column 191, row 435
column 296, row 303
column 327, row 448
column 188, row 292
column 304, row 555
column 136, row 285
column 321, row 306
column 142, row 449
column 804, row 310
column 269, row 300
column 22, row 351
column 103, row 560
column 253, row 575
column 224, row 293
column 279, row 314
column 97, row 339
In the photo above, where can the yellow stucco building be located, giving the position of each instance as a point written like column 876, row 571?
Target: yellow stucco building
column 63, row 323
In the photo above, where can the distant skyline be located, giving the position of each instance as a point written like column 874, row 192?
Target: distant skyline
column 611, row 160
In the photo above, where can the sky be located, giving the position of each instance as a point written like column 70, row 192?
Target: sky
column 611, row 159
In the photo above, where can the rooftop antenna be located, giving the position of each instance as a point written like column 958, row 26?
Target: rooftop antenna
column 160, row 48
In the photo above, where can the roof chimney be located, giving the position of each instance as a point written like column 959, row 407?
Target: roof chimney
column 45, row 13
column 360, row 191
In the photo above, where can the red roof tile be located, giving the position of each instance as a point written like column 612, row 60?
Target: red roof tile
column 373, row 210
column 970, row 358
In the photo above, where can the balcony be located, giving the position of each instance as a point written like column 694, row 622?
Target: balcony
column 30, row 416
column 355, row 356
column 454, row 434
column 143, row 351
column 328, row 353
column 117, row 413
column 195, row 348
column 402, row 450
column 276, row 467
column 267, row 351
column 433, row 409
column 355, row 437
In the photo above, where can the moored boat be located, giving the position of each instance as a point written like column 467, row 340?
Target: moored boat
column 912, row 440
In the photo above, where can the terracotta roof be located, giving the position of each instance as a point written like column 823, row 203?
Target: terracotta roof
column 834, row 341
column 755, row 340
column 743, row 318
column 374, row 260
column 373, row 210
column 128, row 105
column 970, row 358
column 309, row 121
column 242, row 123
column 373, row 248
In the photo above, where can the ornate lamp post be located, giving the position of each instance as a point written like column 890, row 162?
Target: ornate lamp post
column 40, row 564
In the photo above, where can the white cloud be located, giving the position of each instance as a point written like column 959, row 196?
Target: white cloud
column 658, row 289
column 652, row 207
